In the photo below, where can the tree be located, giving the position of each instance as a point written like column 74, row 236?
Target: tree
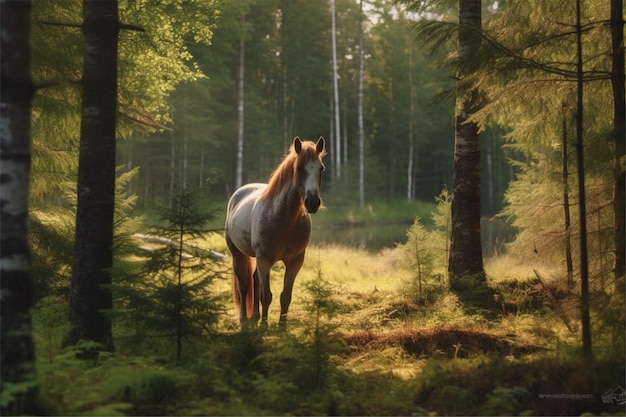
column 240, row 102
column 170, row 300
column 584, row 264
column 466, row 246
column 419, row 257
column 619, row 125
column 360, row 107
column 543, row 59
column 410, row 190
column 566, row 205
column 336, row 107
column 93, row 253
column 19, row 394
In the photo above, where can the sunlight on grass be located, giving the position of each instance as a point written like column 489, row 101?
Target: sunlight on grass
column 355, row 270
column 381, row 350
column 391, row 360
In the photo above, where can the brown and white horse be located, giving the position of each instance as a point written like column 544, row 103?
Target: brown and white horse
column 267, row 223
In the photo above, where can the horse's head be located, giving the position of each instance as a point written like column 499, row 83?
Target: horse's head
column 308, row 170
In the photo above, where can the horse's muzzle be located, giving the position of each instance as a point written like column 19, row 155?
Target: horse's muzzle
column 312, row 203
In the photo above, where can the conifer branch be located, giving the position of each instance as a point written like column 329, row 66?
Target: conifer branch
column 59, row 23
column 135, row 28
column 124, row 26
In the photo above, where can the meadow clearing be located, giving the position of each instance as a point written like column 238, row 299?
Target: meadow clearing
column 362, row 339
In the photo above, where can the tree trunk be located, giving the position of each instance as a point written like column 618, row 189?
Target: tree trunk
column 16, row 288
column 467, row 277
column 360, row 105
column 185, row 161
column 584, row 266
column 336, row 93
column 619, row 122
column 409, row 173
column 566, row 212
column 93, row 251
column 172, row 170
column 240, row 104
column 284, row 72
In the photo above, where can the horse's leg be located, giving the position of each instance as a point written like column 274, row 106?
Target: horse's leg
column 292, row 267
column 256, row 315
column 240, row 266
column 243, row 277
column 263, row 267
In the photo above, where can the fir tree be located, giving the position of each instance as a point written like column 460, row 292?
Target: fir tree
column 171, row 299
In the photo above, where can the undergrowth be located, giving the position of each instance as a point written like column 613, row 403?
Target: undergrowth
column 358, row 342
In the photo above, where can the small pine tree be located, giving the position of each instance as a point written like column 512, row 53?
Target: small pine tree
column 324, row 307
column 442, row 217
column 419, row 256
column 171, row 298
column 427, row 252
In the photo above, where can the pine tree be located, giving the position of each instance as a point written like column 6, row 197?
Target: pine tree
column 170, row 300
column 466, row 258
column 93, row 256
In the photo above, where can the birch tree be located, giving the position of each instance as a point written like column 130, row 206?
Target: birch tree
column 240, row 103
column 360, row 110
column 410, row 192
column 336, row 108
column 16, row 290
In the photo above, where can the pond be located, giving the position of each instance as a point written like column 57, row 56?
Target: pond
column 377, row 236
column 372, row 237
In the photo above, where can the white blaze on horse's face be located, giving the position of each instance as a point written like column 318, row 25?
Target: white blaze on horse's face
column 312, row 173
column 310, row 176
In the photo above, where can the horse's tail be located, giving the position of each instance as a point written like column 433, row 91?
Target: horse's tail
column 249, row 267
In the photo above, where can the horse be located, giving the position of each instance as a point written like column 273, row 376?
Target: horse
column 267, row 223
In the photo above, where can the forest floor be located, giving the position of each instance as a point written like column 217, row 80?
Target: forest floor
column 362, row 339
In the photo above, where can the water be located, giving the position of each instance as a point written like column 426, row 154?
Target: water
column 372, row 237
column 375, row 237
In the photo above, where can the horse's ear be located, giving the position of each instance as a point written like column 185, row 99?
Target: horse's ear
column 320, row 145
column 297, row 144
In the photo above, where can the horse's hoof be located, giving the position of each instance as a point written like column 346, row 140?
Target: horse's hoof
column 282, row 323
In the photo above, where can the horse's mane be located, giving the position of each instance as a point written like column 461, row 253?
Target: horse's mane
column 284, row 173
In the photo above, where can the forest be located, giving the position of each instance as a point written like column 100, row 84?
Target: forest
column 469, row 257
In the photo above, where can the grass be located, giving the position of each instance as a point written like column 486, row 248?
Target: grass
column 380, row 351
column 400, row 211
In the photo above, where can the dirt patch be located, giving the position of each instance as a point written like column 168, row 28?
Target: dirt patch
column 444, row 341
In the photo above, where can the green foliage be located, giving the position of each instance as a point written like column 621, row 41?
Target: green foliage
column 324, row 308
column 453, row 400
column 474, row 293
column 110, row 385
column 151, row 65
column 52, row 245
column 420, row 260
column 170, row 298
column 506, row 401
column 426, row 252
column 13, row 394
column 316, row 368
column 340, row 213
column 52, row 238
column 608, row 323
column 287, row 94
